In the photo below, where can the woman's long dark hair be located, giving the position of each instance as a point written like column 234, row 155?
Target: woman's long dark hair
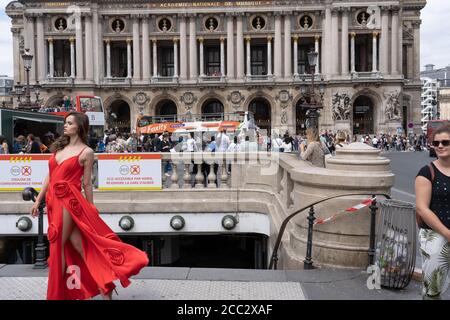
column 82, row 122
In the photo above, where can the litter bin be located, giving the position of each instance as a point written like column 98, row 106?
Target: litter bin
column 396, row 241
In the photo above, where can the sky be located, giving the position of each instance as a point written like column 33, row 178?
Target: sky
column 435, row 36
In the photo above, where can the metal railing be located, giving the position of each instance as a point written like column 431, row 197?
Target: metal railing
column 308, row 263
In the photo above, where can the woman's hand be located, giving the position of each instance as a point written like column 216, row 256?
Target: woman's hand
column 34, row 211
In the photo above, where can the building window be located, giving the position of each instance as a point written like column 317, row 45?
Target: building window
column 306, row 22
column 212, row 61
column 258, row 23
column 118, row 25
column 61, row 58
column 303, row 62
column 259, row 60
column 164, row 25
column 60, row 24
column 166, row 61
column 211, row 24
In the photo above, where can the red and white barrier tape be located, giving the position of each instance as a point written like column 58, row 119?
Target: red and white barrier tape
column 357, row 207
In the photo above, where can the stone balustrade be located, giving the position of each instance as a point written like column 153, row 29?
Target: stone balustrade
column 274, row 184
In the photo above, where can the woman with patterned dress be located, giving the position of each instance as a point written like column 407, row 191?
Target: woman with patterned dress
column 86, row 256
column 433, row 209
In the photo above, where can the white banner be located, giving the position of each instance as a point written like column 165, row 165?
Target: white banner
column 18, row 171
column 129, row 171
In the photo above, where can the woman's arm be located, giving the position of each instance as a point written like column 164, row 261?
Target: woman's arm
column 423, row 197
column 309, row 149
column 43, row 190
column 87, row 159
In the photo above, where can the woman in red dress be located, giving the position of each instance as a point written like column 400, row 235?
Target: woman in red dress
column 86, row 256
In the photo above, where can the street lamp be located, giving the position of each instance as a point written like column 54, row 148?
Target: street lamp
column 27, row 58
column 312, row 105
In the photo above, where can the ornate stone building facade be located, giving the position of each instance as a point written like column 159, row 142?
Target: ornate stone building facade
column 163, row 57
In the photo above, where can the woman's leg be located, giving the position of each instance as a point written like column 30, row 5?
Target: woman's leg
column 434, row 251
column 66, row 232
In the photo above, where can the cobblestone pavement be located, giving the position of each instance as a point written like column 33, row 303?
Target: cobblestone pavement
column 30, row 288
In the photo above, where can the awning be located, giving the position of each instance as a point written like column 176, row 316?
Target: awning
column 40, row 120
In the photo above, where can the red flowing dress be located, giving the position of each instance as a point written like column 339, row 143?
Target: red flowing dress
column 106, row 257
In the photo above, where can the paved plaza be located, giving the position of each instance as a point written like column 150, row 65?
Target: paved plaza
column 22, row 282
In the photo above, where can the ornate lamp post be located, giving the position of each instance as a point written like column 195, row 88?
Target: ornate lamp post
column 311, row 103
column 27, row 58
column 19, row 90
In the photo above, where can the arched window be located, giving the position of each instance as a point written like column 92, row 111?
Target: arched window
column 262, row 113
column 363, row 116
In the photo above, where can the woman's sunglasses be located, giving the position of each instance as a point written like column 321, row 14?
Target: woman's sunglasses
column 445, row 143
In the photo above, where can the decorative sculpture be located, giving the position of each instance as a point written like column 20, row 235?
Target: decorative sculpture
column 392, row 110
column 341, row 106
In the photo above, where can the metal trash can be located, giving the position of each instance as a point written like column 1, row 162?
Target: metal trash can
column 396, row 243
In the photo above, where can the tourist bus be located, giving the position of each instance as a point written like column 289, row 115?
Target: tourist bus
column 432, row 125
column 92, row 106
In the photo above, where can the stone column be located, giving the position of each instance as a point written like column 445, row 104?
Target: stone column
column 296, row 55
column 384, row 41
column 269, row 55
column 40, row 56
column 183, row 49
column 16, row 55
column 145, row 50
column 222, row 56
column 136, row 51
column 400, row 43
column 29, row 44
column 79, row 47
column 230, row 47
column 394, row 43
column 324, row 43
column 72, row 57
column 89, row 48
column 175, row 57
column 202, row 62
column 344, row 44
column 334, row 50
column 328, row 39
column 239, row 48
column 51, row 61
column 155, row 57
column 108, row 58
column 409, row 72
column 277, row 44
column 374, row 52
column 98, row 46
column 317, row 48
column 352, row 52
column 248, row 39
column 287, row 47
column 193, row 69
column 416, row 70
column 129, row 58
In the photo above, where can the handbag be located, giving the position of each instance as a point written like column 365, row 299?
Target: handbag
column 420, row 223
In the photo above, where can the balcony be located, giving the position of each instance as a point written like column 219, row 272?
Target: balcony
column 367, row 76
column 259, row 78
column 60, row 80
column 117, row 80
column 165, row 80
column 212, row 79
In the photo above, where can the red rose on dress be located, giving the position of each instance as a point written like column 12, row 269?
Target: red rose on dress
column 75, row 207
column 61, row 189
column 52, row 233
column 115, row 255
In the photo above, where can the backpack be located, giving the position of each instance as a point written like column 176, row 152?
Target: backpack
column 420, row 222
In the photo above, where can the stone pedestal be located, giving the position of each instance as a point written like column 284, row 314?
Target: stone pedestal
column 343, row 125
column 392, row 127
column 343, row 242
